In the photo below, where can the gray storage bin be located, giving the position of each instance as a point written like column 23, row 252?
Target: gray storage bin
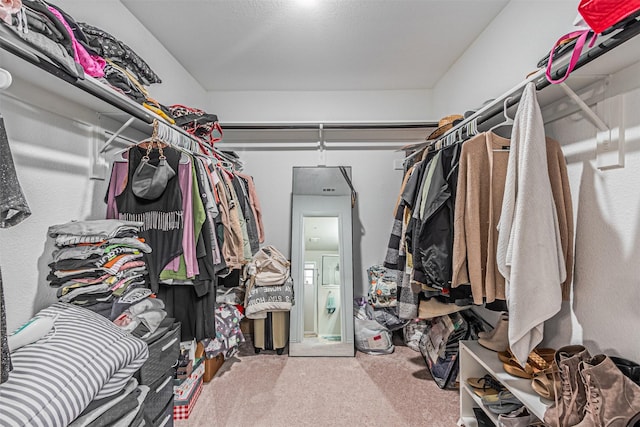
column 165, row 419
column 160, row 392
column 163, row 354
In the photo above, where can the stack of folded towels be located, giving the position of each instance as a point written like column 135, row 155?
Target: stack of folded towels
column 99, row 265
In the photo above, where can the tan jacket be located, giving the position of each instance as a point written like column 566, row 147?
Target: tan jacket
column 481, row 182
column 232, row 247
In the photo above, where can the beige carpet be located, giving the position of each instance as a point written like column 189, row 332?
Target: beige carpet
column 270, row 390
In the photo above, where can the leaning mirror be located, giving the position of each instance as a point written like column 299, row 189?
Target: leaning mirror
column 321, row 251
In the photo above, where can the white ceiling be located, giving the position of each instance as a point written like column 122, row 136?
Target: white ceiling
column 316, row 44
column 321, row 234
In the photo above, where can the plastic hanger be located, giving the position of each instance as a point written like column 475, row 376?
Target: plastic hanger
column 508, row 121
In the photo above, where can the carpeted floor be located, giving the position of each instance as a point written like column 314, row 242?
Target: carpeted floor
column 269, row 390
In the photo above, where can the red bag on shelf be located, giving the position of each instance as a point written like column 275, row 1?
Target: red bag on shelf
column 602, row 14
column 599, row 15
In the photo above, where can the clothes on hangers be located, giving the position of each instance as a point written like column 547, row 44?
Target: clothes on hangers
column 220, row 230
column 163, row 218
column 529, row 247
column 481, row 181
column 478, row 207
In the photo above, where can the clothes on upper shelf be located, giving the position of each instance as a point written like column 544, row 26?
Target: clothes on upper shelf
column 80, row 48
column 111, row 48
column 13, row 210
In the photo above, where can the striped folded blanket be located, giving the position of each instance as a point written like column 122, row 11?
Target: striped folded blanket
column 84, row 357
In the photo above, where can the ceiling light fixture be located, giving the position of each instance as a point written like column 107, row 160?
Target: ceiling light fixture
column 307, row 3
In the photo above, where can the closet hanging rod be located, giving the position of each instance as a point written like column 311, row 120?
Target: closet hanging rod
column 328, row 126
column 496, row 107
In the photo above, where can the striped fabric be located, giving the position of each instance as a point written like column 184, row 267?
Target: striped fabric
column 85, row 357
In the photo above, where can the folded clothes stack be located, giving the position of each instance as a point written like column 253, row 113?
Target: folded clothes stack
column 99, row 265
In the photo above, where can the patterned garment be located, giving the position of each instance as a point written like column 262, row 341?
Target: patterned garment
column 13, row 210
column 228, row 333
column 111, row 48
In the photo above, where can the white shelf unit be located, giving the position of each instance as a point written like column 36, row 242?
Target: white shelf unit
column 477, row 361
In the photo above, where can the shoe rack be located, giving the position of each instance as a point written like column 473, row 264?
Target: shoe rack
column 477, row 361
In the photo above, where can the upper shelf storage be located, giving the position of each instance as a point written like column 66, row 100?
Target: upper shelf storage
column 34, row 68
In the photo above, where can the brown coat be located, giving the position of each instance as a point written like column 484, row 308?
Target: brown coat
column 481, row 182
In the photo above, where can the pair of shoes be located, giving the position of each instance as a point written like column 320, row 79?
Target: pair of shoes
column 539, row 360
column 498, row 340
column 546, row 383
column 518, row 418
column 485, row 385
column 501, row 403
column 593, row 391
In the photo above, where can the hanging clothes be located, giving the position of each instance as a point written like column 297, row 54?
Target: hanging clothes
column 13, row 210
column 163, row 217
column 433, row 242
column 220, row 228
column 529, row 250
column 255, row 204
column 247, row 212
column 233, row 246
column 481, row 181
column 408, row 296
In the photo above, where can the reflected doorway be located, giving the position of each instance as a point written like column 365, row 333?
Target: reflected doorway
column 322, row 290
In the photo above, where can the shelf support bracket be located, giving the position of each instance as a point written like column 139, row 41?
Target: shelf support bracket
column 601, row 125
column 116, row 134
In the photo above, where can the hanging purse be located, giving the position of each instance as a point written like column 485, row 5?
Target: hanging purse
column 149, row 181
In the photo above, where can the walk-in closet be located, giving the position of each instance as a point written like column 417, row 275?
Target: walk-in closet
column 319, row 212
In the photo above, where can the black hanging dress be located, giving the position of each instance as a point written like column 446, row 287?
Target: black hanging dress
column 163, row 217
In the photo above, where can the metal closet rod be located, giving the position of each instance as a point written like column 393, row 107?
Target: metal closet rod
column 488, row 112
column 328, row 126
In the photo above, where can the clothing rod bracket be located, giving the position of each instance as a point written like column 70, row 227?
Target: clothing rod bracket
column 609, row 137
column 322, row 161
column 116, row 134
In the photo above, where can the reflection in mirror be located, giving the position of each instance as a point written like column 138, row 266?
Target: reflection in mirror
column 322, row 292
column 321, row 262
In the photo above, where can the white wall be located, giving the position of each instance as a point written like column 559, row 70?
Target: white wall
column 604, row 311
column 337, row 106
column 506, row 51
column 51, row 155
column 374, row 178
